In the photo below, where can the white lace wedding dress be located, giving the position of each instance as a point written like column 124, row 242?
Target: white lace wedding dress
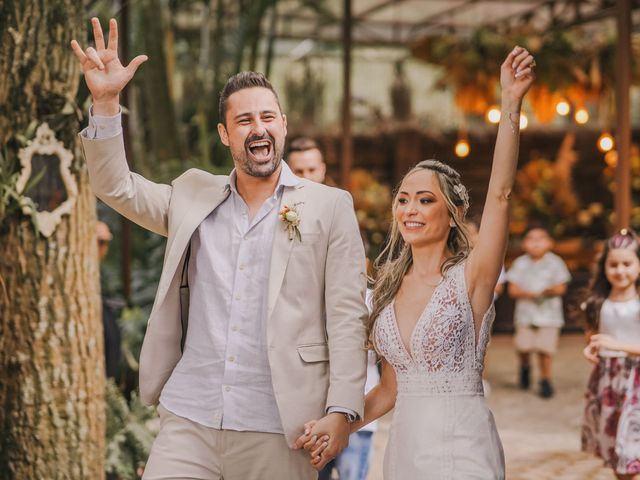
column 441, row 427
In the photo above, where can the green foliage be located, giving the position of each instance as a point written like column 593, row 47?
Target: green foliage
column 133, row 324
column 131, row 429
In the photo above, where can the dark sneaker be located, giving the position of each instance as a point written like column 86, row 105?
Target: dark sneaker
column 546, row 390
column 525, row 381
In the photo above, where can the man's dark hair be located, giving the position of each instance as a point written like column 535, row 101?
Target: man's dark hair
column 536, row 226
column 302, row 144
column 238, row 82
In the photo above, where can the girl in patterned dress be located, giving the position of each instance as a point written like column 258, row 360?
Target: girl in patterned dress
column 611, row 425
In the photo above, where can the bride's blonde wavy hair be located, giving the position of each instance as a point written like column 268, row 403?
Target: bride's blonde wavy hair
column 395, row 259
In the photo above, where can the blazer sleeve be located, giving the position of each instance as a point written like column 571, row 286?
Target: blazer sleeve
column 133, row 196
column 345, row 285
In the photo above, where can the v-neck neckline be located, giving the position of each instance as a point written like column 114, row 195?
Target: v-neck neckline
column 408, row 350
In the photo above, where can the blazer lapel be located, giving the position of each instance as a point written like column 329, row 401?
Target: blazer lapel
column 202, row 205
column 282, row 246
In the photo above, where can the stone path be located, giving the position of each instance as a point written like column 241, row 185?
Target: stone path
column 541, row 437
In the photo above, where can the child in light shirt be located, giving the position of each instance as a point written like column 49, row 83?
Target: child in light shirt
column 537, row 281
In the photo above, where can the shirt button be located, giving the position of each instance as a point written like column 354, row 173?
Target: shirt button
column 237, row 297
column 232, row 358
column 234, row 329
column 228, row 389
column 241, row 267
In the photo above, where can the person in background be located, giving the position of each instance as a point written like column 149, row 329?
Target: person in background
column 537, row 281
column 112, row 335
column 612, row 312
column 306, row 161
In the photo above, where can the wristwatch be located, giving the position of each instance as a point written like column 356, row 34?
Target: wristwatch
column 350, row 418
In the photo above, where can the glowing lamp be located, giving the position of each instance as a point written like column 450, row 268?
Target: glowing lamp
column 581, row 116
column 493, row 115
column 605, row 142
column 563, row 108
column 462, row 148
column 524, row 121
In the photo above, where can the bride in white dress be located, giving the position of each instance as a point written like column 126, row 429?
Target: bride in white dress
column 433, row 310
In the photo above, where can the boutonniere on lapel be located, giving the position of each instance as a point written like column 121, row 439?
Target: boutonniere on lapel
column 291, row 218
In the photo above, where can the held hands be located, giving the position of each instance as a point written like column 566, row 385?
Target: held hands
column 516, row 74
column 106, row 77
column 324, row 439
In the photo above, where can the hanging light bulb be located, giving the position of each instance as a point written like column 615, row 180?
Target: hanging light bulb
column 493, row 115
column 563, row 108
column 581, row 116
column 524, row 121
column 462, row 148
column 605, row 142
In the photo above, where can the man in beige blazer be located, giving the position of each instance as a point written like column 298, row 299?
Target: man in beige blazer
column 274, row 303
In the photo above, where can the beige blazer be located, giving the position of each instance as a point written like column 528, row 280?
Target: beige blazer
column 316, row 307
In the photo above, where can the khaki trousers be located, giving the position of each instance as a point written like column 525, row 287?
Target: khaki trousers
column 188, row 450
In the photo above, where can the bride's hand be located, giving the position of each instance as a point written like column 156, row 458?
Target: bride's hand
column 516, row 74
column 307, row 440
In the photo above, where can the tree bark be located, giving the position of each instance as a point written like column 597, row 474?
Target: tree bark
column 162, row 121
column 51, row 343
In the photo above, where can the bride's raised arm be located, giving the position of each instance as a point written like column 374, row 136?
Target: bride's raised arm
column 486, row 258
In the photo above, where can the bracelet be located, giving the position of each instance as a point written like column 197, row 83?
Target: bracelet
column 515, row 125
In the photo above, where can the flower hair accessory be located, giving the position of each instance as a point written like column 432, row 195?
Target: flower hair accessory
column 291, row 218
column 461, row 191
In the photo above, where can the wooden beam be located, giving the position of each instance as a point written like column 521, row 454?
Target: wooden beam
column 347, row 142
column 623, row 112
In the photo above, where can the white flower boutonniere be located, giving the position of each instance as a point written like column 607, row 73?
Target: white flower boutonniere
column 291, row 218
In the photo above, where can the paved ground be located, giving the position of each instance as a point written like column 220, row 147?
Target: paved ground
column 541, row 437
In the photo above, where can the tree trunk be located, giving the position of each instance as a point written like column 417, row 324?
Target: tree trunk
column 161, row 122
column 51, row 342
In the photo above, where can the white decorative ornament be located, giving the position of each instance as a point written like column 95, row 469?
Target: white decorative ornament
column 47, row 151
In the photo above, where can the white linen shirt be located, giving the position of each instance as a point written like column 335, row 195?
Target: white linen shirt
column 536, row 276
column 223, row 379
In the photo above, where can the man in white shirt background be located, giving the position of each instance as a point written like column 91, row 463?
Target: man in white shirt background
column 306, row 161
column 271, row 331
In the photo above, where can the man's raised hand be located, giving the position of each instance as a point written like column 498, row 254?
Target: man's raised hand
column 106, row 77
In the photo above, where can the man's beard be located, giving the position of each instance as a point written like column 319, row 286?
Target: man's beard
column 247, row 165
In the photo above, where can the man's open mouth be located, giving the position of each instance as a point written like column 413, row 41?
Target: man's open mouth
column 260, row 150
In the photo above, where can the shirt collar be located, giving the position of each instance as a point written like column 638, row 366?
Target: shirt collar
column 286, row 179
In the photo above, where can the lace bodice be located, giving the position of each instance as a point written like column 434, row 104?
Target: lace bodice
column 444, row 357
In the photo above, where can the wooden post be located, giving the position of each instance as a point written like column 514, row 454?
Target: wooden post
column 347, row 141
column 622, row 199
